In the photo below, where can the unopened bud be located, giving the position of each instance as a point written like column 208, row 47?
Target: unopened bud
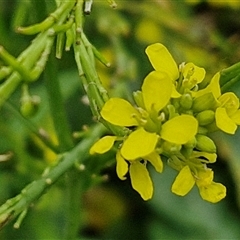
column 205, row 117
column 205, row 144
column 186, row 101
column 204, row 102
column 29, row 106
column 171, row 148
column 191, row 143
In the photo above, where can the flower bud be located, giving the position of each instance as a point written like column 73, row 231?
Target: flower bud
column 186, row 101
column 29, row 106
column 205, row 117
column 191, row 143
column 204, row 102
column 203, row 130
column 171, row 148
column 205, row 144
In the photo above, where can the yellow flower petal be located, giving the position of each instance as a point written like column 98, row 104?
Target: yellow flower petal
column 139, row 144
column 213, row 193
column 156, row 90
column 162, row 60
column 229, row 101
column 141, row 181
column 103, row 145
column 213, row 87
column 120, row 112
column 155, row 159
column 179, row 129
column 184, row 182
column 175, row 93
column 194, row 73
column 211, row 157
column 204, row 177
column 122, row 166
column 224, row 122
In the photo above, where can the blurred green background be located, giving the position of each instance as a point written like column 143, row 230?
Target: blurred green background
column 204, row 32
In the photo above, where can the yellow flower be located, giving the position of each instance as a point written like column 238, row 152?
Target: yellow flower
column 209, row 190
column 140, row 145
column 170, row 118
column 192, row 75
column 139, row 175
column 120, row 112
column 179, row 129
column 227, row 113
column 162, row 60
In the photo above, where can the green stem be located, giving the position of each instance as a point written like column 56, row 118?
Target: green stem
column 12, row 61
column 27, row 58
column 65, row 7
column 5, row 72
column 89, row 78
column 14, row 206
column 73, row 182
column 57, row 105
column 9, row 86
column 74, row 193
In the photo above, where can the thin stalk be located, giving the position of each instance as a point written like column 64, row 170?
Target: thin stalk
column 75, row 190
column 64, row 8
column 57, row 106
column 97, row 94
column 27, row 58
column 73, row 182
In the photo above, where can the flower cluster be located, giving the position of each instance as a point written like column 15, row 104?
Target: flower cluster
column 171, row 120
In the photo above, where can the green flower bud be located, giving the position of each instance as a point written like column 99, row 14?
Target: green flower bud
column 171, row 148
column 29, row 106
column 186, row 101
column 186, row 152
column 204, row 102
column 191, row 143
column 206, row 117
column 203, row 130
column 205, row 144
